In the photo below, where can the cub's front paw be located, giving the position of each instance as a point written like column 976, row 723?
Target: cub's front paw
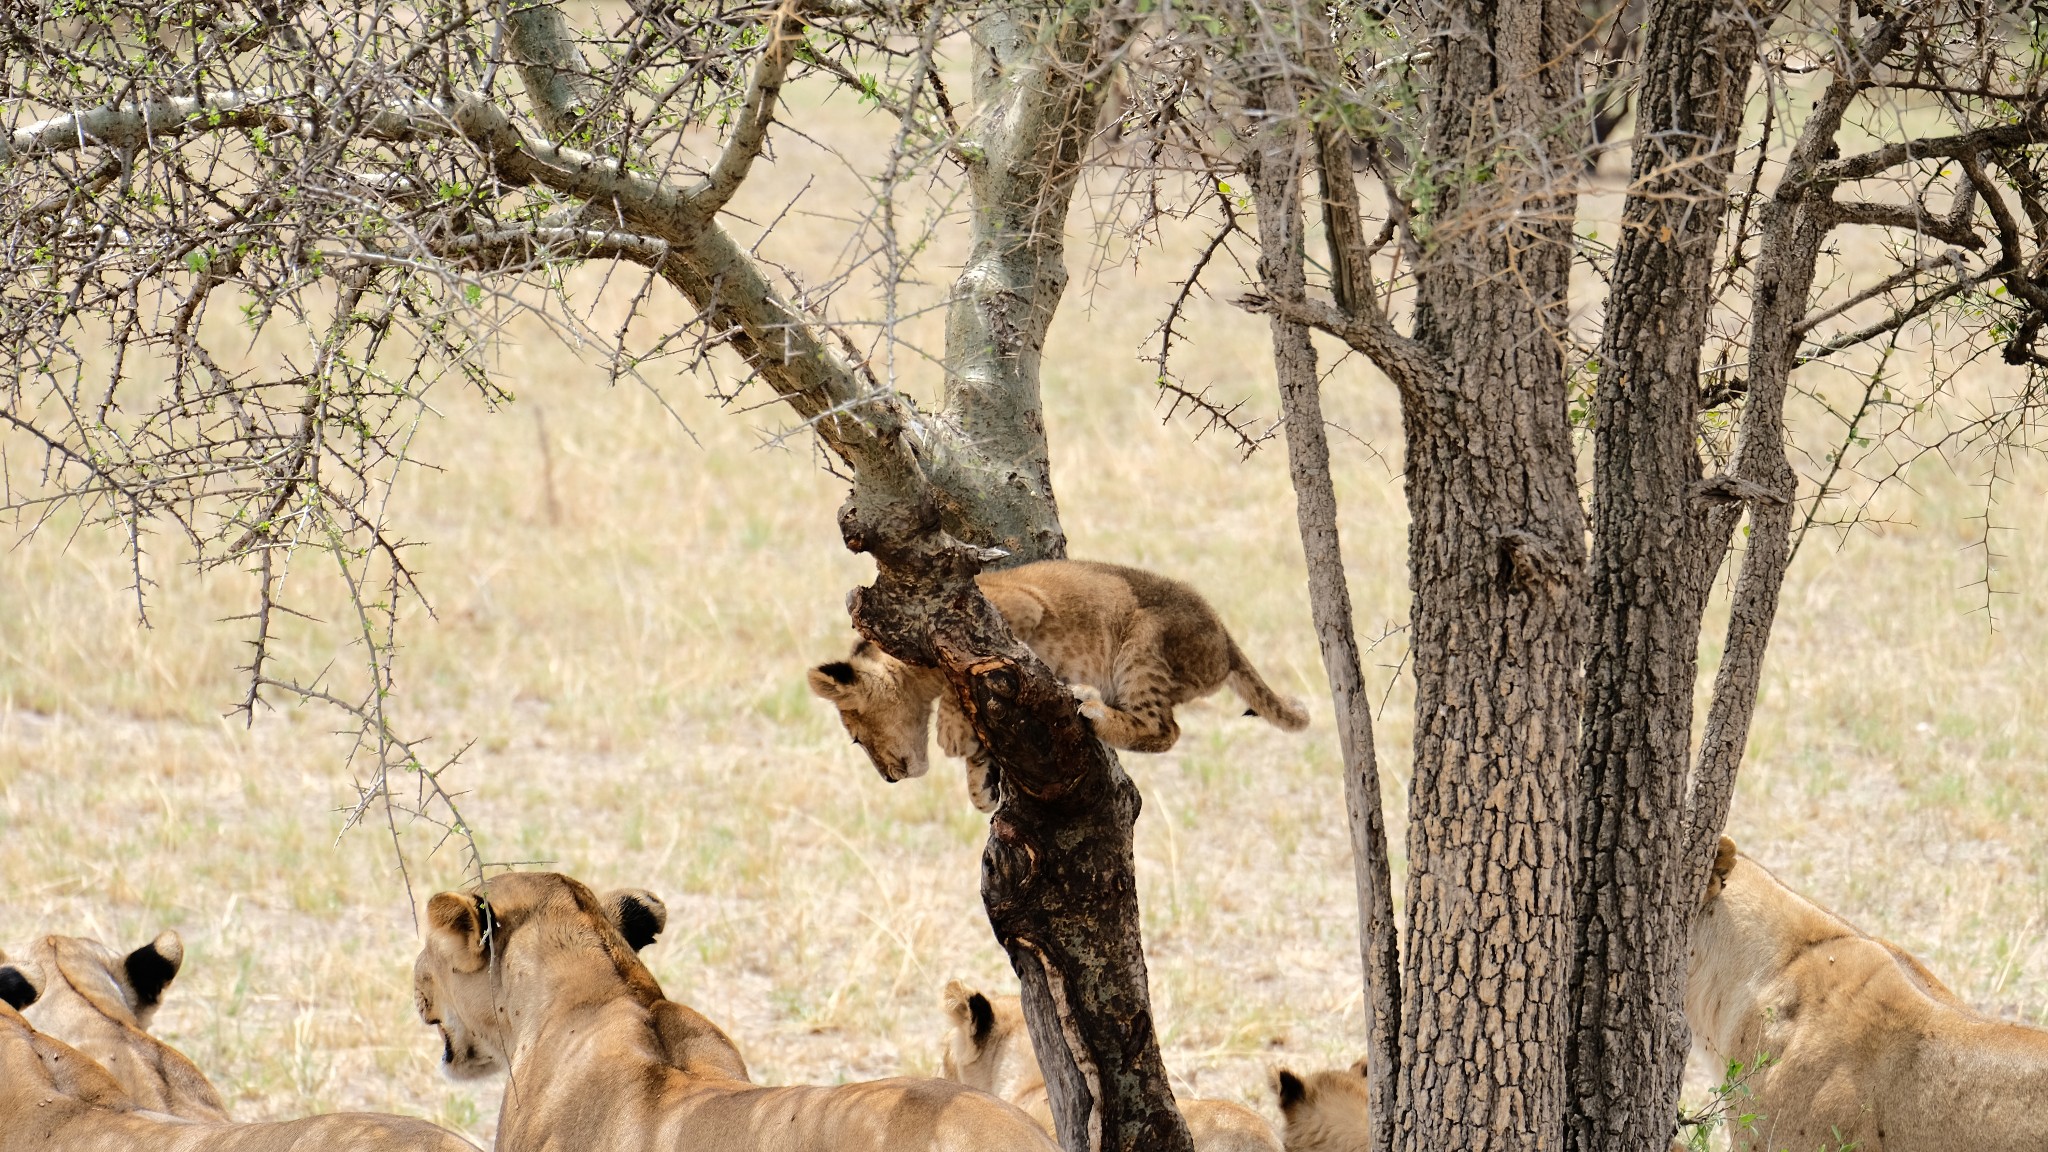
column 1090, row 700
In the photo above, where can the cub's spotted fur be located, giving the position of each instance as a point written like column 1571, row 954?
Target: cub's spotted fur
column 1133, row 644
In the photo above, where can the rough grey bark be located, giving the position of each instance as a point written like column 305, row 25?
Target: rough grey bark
column 1656, row 547
column 1795, row 224
column 1032, row 86
column 1496, row 562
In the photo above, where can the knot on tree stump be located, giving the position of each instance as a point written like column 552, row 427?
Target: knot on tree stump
column 1009, row 865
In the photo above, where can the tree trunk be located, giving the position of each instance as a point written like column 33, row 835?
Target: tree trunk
column 1276, row 187
column 1059, row 871
column 1496, row 561
column 1656, row 548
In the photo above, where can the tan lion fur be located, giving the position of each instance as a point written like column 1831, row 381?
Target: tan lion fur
column 100, row 1002
column 1326, row 1111
column 989, row 1048
column 540, row 978
column 1864, row 1047
column 1134, row 644
column 54, row 1099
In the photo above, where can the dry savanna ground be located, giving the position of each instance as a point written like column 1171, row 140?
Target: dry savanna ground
column 624, row 605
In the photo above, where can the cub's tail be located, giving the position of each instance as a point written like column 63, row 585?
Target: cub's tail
column 1265, row 703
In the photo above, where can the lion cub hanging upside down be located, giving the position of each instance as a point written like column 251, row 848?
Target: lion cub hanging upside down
column 1134, row 645
column 1865, row 1048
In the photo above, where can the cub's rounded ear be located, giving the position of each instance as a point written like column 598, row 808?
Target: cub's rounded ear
column 1358, row 1068
column 970, row 1010
column 17, row 991
column 151, row 968
column 1289, row 1088
column 834, row 681
column 455, row 930
column 638, row 914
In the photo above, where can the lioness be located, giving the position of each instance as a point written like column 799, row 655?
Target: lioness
column 54, row 1099
column 538, row 976
column 1324, row 1111
column 988, row 1047
column 1856, row 1044
column 101, row 1003
column 1134, row 645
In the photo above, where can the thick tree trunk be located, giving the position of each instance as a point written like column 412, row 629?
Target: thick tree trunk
column 1496, row 561
column 1656, row 548
column 1036, row 114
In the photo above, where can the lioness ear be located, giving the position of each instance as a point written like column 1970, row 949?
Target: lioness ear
column 455, row 930
column 834, row 681
column 16, row 990
column 151, row 968
column 1289, row 1088
column 639, row 915
column 1358, row 1069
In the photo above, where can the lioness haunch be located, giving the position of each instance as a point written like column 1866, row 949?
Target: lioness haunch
column 1865, row 1048
column 55, row 1099
column 538, row 976
column 1134, row 645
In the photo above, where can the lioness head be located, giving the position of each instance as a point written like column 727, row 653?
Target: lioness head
column 555, row 926
column 1324, row 1111
column 126, row 988
column 887, row 714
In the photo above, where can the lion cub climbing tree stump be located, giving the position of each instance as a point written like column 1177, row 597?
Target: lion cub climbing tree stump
column 1058, row 876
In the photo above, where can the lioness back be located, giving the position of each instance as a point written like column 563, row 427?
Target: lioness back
column 55, row 1099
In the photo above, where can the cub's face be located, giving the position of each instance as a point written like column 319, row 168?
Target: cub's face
column 880, row 709
column 451, row 986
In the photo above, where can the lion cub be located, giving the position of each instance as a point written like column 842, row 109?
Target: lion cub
column 1324, row 1111
column 990, row 1049
column 1133, row 644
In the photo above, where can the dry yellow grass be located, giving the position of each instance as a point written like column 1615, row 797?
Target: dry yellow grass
column 631, row 673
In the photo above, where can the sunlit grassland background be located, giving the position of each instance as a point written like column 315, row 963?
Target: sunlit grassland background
column 623, row 608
